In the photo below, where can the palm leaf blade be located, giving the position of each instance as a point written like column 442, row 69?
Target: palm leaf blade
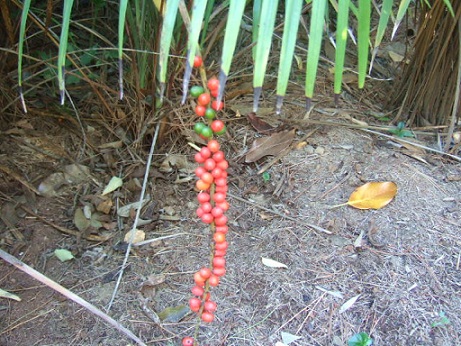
column 292, row 14
column 341, row 42
column 263, row 46
column 121, row 30
column 63, row 47
column 22, row 34
column 363, row 39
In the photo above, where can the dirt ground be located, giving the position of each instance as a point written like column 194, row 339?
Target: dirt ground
column 401, row 261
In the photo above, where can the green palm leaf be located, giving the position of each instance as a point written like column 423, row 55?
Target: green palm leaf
column 386, row 10
column 257, row 5
column 341, row 42
column 263, row 46
column 63, row 47
column 198, row 11
column 22, row 34
column 315, row 41
column 363, row 39
column 165, row 41
column 290, row 29
column 121, row 31
column 230, row 40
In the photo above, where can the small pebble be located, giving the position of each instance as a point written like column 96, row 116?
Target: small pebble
column 309, row 149
column 319, row 150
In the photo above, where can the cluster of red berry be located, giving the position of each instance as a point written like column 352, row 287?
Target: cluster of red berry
column 212, row 184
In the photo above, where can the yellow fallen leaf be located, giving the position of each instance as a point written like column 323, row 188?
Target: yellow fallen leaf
column 373, row 195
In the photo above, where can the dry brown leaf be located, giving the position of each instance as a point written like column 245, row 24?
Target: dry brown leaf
column 259, row 125
column 373, row 195
column 271, row 145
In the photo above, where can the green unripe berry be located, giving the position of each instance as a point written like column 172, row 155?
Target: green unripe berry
column 196, row 91
column 207, row 132
column 198, row 128
column 210, row 113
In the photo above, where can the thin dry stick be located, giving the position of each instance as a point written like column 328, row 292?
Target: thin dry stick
column 138, row 213
column 314, row 227
column 72, row 296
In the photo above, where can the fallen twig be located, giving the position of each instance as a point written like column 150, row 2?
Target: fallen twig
column 65, row 292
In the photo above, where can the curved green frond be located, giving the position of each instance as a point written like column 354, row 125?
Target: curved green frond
column 315, row 43
column 384, row 16
column 341, row 42
column 230, row 40
column 400, row 14
column 257, row 5
column 363, row 39
column 449, row 7
column 22, row 34
column 290, row 29
column 198, row 11
column 206, row 21
column 63, row 47
column 169, row 20
column 263, row 46
column 121, row 31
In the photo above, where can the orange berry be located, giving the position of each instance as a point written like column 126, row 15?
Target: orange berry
column 221, row 246
column 213, row 280
column 219, row 237
column 201, row 185
column 205, row 273
column 207, row 317
column 199, row 279
column 200, row 110
column 208, row 178
column 220, row 271
column 221, row 220
column 213, row 145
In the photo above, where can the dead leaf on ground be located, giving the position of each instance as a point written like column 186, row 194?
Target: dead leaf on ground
column 271, row 145
column 258, row 124
column 272, row 263
column 373, row 195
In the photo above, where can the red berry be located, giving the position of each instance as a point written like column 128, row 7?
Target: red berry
column 217, row 212
column 205, row 273
column 216, row 172
column 204, row 197
column 222, row 164
column 213, row 84
column 197, row 291
column 209, row 164
column 207, row 207
column 200, row 212
column 205, row 152
column 220, row 253
column 221, row 246
column 222, row 229
column 219, row 197
column 219, row 262
column 219, row 181
column 213, row 280
column 207, row 218
column 199, row 158
column 187, row 341
column 204, row 100
column 214, row 93
column 222, row 189
column 219, row 271
column 210, row 306
column 213, row 145
column 199, row 171
column 221, row 220
column 217, row 106
column 224, row 205
column 217, row 125
column 200, row 110
column 218, row 156
column 207, row 317
column 198, row 61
